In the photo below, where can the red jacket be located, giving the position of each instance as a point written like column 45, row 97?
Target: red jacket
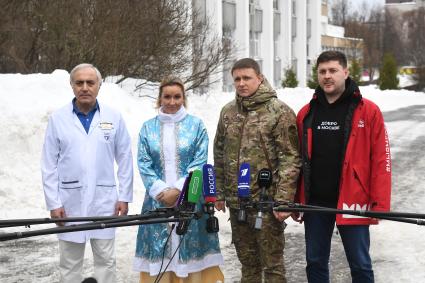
column 365, row 182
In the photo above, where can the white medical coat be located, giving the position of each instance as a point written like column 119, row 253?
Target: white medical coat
column 78, row 167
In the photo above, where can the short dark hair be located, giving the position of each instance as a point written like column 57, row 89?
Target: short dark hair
column 331, row 55
column 246, row 63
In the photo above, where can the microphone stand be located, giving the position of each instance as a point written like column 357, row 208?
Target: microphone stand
column 264, row 180
column 159, row 216
column 406, row 217
column 186, row 208
column 259, row 217
column 35, row 221
column 265, row 204
column 212, row 221
column 244, row 203
column 87, row 226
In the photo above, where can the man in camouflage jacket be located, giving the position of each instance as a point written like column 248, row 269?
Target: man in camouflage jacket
column 259, row 129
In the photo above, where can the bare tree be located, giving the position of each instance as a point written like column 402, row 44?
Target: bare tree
column 340, row 10
column 142, row 39
column 41, row 36
column 416, row 43
column 368, row 25
column 393, row 36
column 210, row 52
column 20, row 36
column 373, row 36
column 183, row 42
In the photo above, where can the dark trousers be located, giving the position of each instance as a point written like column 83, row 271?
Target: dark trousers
column 355, row 238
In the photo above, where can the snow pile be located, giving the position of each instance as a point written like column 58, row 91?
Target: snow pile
column 26, row 101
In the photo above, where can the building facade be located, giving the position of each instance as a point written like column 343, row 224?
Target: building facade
column 278, row 34
column 402, row 6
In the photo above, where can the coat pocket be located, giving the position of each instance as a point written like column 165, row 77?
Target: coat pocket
column 361, row 180
column 69, row 185
column 105, row 198
column 70, row 195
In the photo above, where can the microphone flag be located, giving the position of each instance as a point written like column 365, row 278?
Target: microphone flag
column 244, row 180
column 210, row 196
column 244, row 192
column 183, row 194
column 190, row 200
column 209, row 187
column 195, row 187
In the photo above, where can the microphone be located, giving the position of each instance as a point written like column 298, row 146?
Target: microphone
column 189, row 204
column 210, row 195
column 183, row 194
column 244, row 193
column 264, row 180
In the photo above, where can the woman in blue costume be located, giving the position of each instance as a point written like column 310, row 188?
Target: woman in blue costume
column 170, row 146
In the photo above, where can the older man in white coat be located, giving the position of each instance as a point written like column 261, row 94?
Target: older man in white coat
column 83, row 139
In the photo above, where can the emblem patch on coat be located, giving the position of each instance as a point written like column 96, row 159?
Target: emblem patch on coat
column 106, row 126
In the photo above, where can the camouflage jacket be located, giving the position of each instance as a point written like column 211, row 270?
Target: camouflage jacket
column 249, row 126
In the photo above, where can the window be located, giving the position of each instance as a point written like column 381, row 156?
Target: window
column 229, row 15
column 256, row 21
column 276, row 5
column 308, row 28
column 260, row 63
column 277, row 71
column 276, row 47
column 276, row 24
column 294, row 26
column 227, row 77
column 255, row 28
column 294, row 18
column 254, row 44
column 203, row 87
column 294, row 65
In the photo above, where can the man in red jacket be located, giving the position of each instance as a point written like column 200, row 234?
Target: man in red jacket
column 346, row 165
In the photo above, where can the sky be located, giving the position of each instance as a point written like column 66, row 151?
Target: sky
column 26, row 101
column 356, row 4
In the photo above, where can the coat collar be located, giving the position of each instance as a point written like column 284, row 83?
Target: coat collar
column 172, row 118
column 264, row 93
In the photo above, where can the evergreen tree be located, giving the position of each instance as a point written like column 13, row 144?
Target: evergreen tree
column 388, row 73
column 355, row 71
column 290, row 79
column 313, row 81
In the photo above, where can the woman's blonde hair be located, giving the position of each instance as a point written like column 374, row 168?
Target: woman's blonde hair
column 170, row 81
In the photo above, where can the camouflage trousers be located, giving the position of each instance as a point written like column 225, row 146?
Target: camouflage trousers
column 259, row 251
